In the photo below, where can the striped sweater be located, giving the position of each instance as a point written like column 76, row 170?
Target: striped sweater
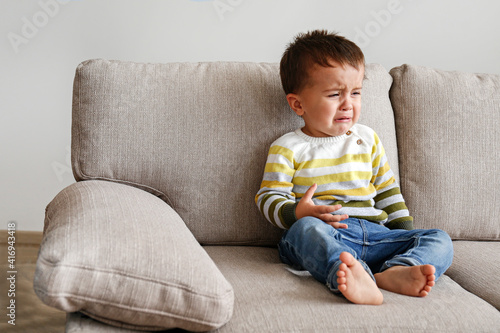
column 351, row 170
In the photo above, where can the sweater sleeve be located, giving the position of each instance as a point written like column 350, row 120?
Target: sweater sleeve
column 388, row 197
column 275, row 199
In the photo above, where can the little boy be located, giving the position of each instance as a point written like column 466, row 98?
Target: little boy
column 329, row 184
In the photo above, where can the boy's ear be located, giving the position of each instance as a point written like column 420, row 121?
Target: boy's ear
column 295, row 104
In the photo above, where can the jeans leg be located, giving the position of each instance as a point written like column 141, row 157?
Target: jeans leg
column 313, row 245
column 432, row 246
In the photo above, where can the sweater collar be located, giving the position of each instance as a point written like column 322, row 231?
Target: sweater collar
column 329, row 139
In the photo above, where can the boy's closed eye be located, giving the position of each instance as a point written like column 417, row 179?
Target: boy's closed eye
column 334, row 94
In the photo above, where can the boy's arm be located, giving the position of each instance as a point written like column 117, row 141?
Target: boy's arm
column 389, row 197
column 275, row 199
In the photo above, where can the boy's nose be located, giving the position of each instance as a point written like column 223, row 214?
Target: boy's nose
column 346, row 105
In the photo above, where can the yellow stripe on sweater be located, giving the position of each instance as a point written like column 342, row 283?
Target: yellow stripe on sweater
column 329, row 162
column 335, row 194
column 381, row 172
column 351, row 176
column 274, row 184
column 283, row 151
column 281, row 168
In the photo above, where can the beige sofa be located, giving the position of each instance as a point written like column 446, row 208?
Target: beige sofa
column 170, row 156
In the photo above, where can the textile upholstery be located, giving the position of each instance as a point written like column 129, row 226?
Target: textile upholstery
column 269, row 298
column 447, row 124
column 161, row 229
column 476, row 267
column 124, row 257
column 166, row 128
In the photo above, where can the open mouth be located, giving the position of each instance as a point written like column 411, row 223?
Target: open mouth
column 343, row 119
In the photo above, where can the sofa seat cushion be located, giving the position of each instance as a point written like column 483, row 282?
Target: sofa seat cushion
column 269, row 298
column 447, row 130
column 476, row 267
column 124, row 257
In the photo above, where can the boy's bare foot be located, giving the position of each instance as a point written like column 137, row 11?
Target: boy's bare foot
column 355, row 283
column 407, row 280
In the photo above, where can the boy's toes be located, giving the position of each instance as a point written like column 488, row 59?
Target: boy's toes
column 428, row 270
column 342, row 270
column 423, row 293
column 347, row 259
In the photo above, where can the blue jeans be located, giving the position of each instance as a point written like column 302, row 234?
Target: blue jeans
column 315, row 246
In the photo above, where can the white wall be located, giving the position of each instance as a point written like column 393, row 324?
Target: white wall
column 42, row 42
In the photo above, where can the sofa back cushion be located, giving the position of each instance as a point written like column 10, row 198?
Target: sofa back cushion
column 447, row 126
column 197, row 135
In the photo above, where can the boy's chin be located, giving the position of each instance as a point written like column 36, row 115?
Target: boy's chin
column 343, row 130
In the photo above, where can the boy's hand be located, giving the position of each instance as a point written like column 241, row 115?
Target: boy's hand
column 306, row 207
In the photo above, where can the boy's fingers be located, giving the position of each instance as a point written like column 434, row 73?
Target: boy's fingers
column 309, row 193
column 333, row 218
column 338, row 225
column 336, row 207
column 325, row 209
column 342, row 217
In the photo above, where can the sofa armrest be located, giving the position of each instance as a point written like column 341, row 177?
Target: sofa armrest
column 124, row 257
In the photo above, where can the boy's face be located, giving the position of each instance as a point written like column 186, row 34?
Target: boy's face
column 330, row 102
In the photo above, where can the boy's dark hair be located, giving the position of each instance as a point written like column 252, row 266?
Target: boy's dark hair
column 315, row 47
